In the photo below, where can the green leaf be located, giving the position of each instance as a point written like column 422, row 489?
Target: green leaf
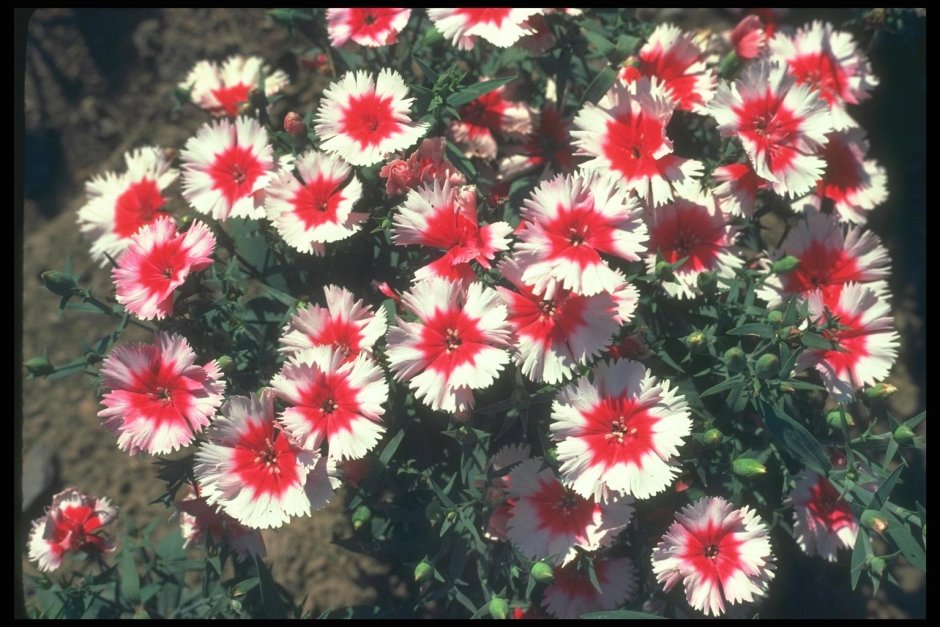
column 734, row 381
column 901, row 534
column 804, row 385
column 455, row 156
column 626, row 44
column 815, row 340
column 620, row 615
column 753, row 328
column 130, row 582
column 472, row 92
column 600, row 43
column 859, row 556
column 245, row 586
column 599, row 86
column 794, row 437
column 884, row 490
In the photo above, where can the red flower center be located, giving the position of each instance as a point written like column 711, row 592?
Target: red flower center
column 329, row 403
column 713, row 552
column 560, row 510
column 578, row 232
column 827, row 507
column 687, row 232
column 137, row 206
column 845, row 173
column 234, row 172
column 821, row 71
column 619, row 430
column 484, row 16
column 317, row 201
column 265, row 461
column 231, row 98
column 821, row 267
column 630, row 142
column 450, row 339
column 774, row 129
column 369, row 119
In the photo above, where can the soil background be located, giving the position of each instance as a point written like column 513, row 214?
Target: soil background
column 99, row 82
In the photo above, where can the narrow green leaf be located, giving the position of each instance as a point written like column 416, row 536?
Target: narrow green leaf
column 884, row 490
column 734, row 381
column 130, row 582
column 472, row 92
column 455, row 156
column 815, row 340
column 794, row 437
column 859, row 556
column 599, row 86
column 753, row 328
column 901, row 535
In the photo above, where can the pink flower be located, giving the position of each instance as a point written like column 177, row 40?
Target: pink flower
column 749, row 37
column 457, row 345
column 439, row 216
column 362, row 118
column 74, row 522
column 501, row 27
column 548, row 146
column 344, row 324
column 366, row 27
column 674, row 58
column 718, row 552
column 159, row 399
column 620, row 433
column 333, row 399
column 548, row 518
column 425, row 165
column 570, row 220
column 224, row 90
column 226, row 166
column 556, row 332
column 830, row 255
column 572, row 594
column 781, row 124
column 696, row 231
column 625, row 133
column 863, row 351
column 119, row 204
column 256, row 473
column 830, row 62
column 822, row 520
column 487, row 117
column 158, row 260
column 737, row 191
column 315, row 206
column 201, row 523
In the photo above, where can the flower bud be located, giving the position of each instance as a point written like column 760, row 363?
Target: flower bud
column 767, row 367
column 39, row 366
column 224, row 363
column 775, row 318
column 294, row 124
column 735, row 359
column 664, row 271
column 423, row 571
column 792, row 333
column 904, row 434
column 707, row 282
column 748, row 467
column 360, row 516
column 542, row 572
column 499, row 608
column 59, row 283
column 785, row 264
column 834, row 418
column 551, row 456
column 712, row 437
column 874, row 521
column 881, row 390
column 876, row 565
column 696, row 341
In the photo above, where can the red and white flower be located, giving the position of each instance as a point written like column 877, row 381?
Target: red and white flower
column 822, row 520
column 854, row 184
column 781, row 124
column 226, row 166
column 487, row 118
column 74, row 522
column 332, row 398
column 569, row 221
column 254, row 471
column 502, row 27
column 548, row 147
column 719, row 553
column 201, row 523
column 158, row 260
column 749, row 37
column 345, row 324
column 864, row 351
column 625, row 133
column 315, row 207
column 830, row 255
column 363, row 118
column 457, row 345
column 830, row 62
column 424, row 166
column 677, row 60
column 696, row 231
column 556, row 332
column 507, row 458
column 225, row 90
column 119, row 204
column 548, row 518
column 366, row 27
column 440, row 216
column 620, row 433
column 736, row 194
column 572, row 594
column 158, row 398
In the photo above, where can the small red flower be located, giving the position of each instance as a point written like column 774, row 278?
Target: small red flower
column 74, row 522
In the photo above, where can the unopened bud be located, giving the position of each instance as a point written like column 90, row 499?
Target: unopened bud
column 834, row 418
column 748, row 467
column 542, row 572
column 59, row 283
column 707, row 282
column 876, row 565
column 696, row 341
column 224, row 363
column 712, row 437
column 792, row 333
column 735, row 359
column 903, row 434
column 499, row 608
column 767, row 367
column 785, row 264
column 551, row 455
column 882, row 390
column 360, row 516
column 874, row 521
column 775, row 317
column 664, row 271
column 39, row 366
column 423, row 571
column 294, row 124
